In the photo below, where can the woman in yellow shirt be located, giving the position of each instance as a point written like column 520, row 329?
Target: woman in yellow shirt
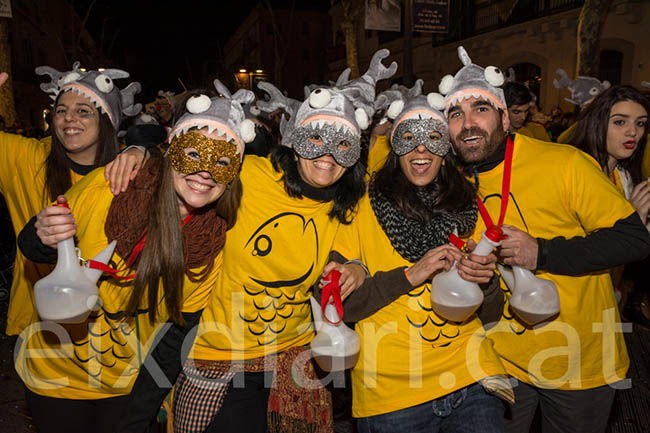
column 613, row 129
column 85, row 119
column 170, row 227
column 417, row 371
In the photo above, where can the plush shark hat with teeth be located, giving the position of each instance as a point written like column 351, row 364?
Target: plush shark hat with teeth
column 583, row 89
column 333, row 114
column 473, row 81
column 224, row 115
column 420, row 115
column 96, row 85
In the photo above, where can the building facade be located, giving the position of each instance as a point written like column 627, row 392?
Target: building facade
column 535, row 39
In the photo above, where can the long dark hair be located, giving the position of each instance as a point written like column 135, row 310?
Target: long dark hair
column 163, row 257
column 451, row 190
column 590, row 133
column 57, row 164
column 347, row 190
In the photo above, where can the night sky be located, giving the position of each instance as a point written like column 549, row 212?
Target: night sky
column 159, row 41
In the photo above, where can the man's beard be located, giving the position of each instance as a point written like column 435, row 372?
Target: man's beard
column 477, row 154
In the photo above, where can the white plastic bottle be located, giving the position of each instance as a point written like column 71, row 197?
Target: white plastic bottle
column 454, row 298
column 69, row 292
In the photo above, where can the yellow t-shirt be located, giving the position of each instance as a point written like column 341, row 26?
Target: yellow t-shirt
column 22, row 183
column 409, row 355
column 273, row 255
column 377, row 156
column 101, row 357
column 534, row 130
column 557, row 190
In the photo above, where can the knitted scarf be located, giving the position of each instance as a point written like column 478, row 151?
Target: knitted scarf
column 127, row 218
column 412, row 239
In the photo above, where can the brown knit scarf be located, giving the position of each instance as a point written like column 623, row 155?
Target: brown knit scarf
column 128, row 216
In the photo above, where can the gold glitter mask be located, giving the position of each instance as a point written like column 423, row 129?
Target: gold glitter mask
column 211, row 156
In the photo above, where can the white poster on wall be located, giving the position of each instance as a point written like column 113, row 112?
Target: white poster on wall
column 5, row 8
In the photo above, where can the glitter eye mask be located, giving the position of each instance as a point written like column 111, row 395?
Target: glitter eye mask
column 210, row 156
column 421, row 130
column 332, row 136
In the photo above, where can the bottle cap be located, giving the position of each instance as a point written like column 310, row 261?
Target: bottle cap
column 494, row 233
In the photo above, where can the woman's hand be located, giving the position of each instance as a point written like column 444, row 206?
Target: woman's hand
column 123, row 169
column 3, row 78
column 477, row 269
column 442, row 257
column 55, row 224
column 352, row 276
column 640, row 199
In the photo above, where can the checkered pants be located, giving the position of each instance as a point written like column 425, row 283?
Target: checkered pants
column 198, row 396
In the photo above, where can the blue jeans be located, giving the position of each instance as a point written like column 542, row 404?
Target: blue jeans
column 470, row 410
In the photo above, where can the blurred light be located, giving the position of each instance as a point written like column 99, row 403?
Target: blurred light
column 101, row 69
column 259, row 71
column 82, row 69
column 242, row 70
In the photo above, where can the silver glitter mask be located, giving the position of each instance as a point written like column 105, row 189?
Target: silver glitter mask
column 422, row 130
column 340, row 142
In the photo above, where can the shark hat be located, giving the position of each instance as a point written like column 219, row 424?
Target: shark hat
column 331, row 115
column 222, row 114
column 473, row 81
column 583, row 89
column 417, row 119
column 96, row 85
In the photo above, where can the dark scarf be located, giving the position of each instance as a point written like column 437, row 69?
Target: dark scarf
column 128, row 215
column 412, row 239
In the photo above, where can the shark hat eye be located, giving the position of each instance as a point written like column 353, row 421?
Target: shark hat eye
column 494, row 76
column 593, row 91
column 446, row 84
column 320, row 98
column 198, row 104
column 104, row 83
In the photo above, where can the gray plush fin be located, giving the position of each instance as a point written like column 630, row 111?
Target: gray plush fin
column 416, row 90
column 463, row 56
column 278, row 100
column 564, row 81
column 115, row 74
column 52, row 86
column 127, row 97
column 377, row 71
column 243, row 96
column 343, row 78
column 221, row 88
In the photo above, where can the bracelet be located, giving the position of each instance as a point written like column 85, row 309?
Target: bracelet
column 406, row 272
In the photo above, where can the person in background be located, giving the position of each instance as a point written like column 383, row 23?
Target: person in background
column 613, row 129
column 519, row 101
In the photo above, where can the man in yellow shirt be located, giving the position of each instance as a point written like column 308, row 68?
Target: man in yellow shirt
column 565, row 220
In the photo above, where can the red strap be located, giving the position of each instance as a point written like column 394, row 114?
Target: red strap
column 334, row 290
column 456, row 241
column 93, row 264
column 505, row 189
